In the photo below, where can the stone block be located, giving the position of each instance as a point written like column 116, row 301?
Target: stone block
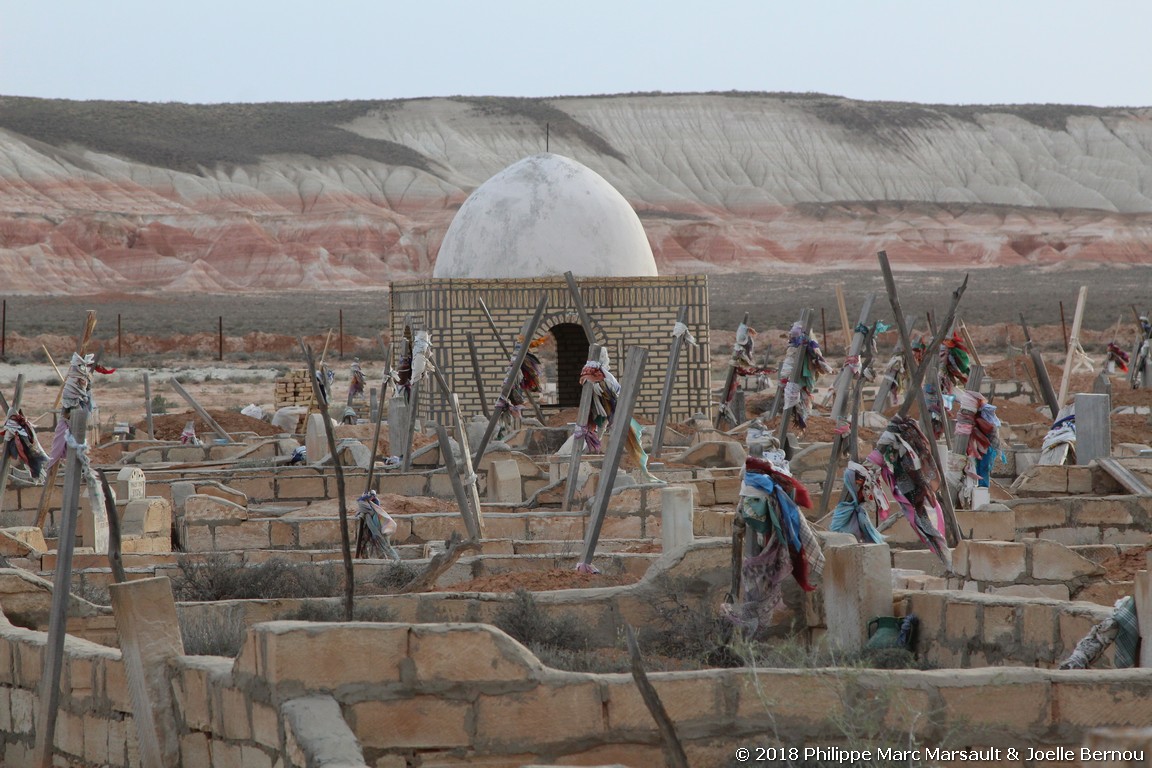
column 1052, row 561
column 292, row 651
column 1042, row 480
column 22, row 541
column 726, row 490
column 414, row 722
column 256, row 488
column 677, row 508
column 185, row 454
column 713, row 453
column 550, row 713
column 997, row 700
column 999, row 625
column 986, row 524
column 962, row 620
column 920, row 560
column 1072, row 536
column 1073, row 627
column 857, row 587
column 1125, row 537
column 212, row 509
column 142, row 517
column 686, row 700
column 1114, row 511
column 252, row 534
column 305, row 487
column 467, row 653
column 1048, row 591
column 705, row 493
column 792, row 699
column 1080, row 480
column 505, row 484
column 1040, row 513
column 995, row 561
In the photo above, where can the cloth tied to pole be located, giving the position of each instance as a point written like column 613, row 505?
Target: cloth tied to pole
column 421, row 356
column 680, row 329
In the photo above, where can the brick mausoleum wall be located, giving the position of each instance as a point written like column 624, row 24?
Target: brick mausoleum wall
column 634, row 311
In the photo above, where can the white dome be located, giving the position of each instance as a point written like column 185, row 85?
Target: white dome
column 545, row 215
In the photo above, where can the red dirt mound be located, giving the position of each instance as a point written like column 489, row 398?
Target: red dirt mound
column 170, row 425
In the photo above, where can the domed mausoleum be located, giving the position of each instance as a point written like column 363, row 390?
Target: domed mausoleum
column 513, row 239
column 542, row 216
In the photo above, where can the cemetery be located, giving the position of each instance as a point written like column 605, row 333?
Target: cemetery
column 656, row 526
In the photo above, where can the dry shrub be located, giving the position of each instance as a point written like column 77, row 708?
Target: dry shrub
column 218, row 578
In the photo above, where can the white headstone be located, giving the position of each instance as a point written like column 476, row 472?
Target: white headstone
column 315, row 438
column 130, row 484
column 677, row 507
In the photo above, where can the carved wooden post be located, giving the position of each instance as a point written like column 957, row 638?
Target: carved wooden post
column 786, row 415
column 504, row 347
column 476, row 377
column 1073, row 344
column 728, row 379
column 844, row 380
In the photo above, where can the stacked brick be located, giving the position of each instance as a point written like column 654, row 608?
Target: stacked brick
column 630, row 311
column 294, row 389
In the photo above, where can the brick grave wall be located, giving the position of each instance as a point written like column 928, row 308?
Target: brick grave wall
column 638, row 311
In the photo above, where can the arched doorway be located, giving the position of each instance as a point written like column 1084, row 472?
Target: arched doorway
column 571, row 354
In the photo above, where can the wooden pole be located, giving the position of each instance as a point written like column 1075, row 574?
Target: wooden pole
column 886, row 384
column 666, row 392
column 61, row 592
column 971, row 344
column 220, row 338
column 457, row 484
column 469, row 470
column 50, row 481
column 119, row 337
column 341, row 342
column 842, row 306
column 582, row 414
column 915, row 389
column 115, row 560
column 1063, row 325
column 786, row 414
column 504, row 349
column 824, row 331
column 199, row 410
column 476, row 376
column 1073, row 344
column 510, row 377
column 379, row 417
column 961, row 439
column 6, row 460
column 621, row 426
column 728, row 379
column 4, row 330
column 844, row 379
column 345, row 543
column 1041, row 370
column 148, row 407
column 410, row 427
column 585, row 320
column 854, row 432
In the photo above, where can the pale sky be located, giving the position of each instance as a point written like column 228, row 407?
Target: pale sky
column 1093, row 52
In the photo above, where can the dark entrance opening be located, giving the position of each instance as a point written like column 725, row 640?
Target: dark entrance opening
column 571, row 354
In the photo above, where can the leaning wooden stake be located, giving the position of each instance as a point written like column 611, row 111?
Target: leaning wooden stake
column 50, row 481
column 148, row 407
column 585, row 320
column 470, row 483
column 621, row 426
column 199, row 409
column 6, row 460
column 674, row 756
column 476, row 376
column 849, row 333
column 457, row 484
column 345, row 543
column 507, row 353
column 1073, row 344
column 582, row 414
column 961, row 439
column 115, row 560
column 844, row 379
column 529, row 330
column 669, row 380
column 838, row 440
column 786, row 414
column 439, row 564
column 880, row 403
column 49, row 693
column 728, row 379
column 1041, row 371
column 915, row 392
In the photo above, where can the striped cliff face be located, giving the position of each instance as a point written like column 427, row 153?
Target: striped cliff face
column 107, row 196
